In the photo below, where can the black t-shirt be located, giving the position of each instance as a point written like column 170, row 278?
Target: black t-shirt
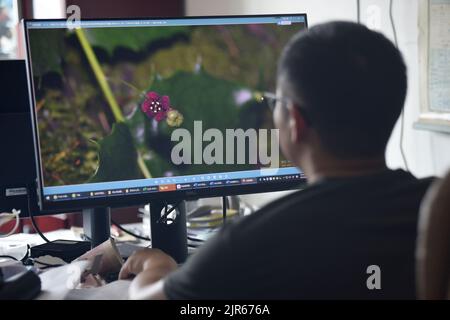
column 314, row 244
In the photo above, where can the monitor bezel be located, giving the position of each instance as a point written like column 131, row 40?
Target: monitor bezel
column 139, row 199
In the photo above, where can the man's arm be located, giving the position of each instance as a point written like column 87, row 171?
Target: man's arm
column 150, row 266
column 154, row 291
column 217, row 270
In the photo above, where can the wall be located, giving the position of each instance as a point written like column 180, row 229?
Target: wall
column 128, row 8
column 47, row 9
column 427, row 153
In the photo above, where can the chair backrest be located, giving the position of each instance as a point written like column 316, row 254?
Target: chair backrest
column 433, row 245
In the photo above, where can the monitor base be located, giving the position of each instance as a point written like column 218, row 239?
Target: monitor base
column 168, row 235
column 97, row 225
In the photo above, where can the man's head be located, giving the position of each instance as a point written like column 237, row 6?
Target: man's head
column 342, row 84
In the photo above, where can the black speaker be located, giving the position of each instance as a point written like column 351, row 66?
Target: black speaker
column 17, row 156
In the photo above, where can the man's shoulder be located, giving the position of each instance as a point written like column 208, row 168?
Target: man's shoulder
column 391, row 185
column 297, row 203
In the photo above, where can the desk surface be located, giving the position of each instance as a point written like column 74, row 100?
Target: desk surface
column 61, row 284
column 57, row 283
column 16, row 245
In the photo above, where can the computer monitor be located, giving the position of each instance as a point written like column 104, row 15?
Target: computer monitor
column 133, row 111
column 17, row 164
column 116, row 102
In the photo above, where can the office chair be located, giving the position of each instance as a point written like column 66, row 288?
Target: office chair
column 433, row 244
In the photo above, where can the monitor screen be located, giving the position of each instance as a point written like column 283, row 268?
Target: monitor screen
column 126, row 111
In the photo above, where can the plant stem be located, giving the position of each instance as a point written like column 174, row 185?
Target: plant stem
column 143, row 167
column 106, row 89
column 99, row 74
column 129, row 85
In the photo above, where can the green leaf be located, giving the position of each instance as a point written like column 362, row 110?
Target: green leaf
column 136, row 124
column 135, row 38
column 47, row 48
column 117, row 156
column 201, row 97
column 160, row 166
column 198, row 97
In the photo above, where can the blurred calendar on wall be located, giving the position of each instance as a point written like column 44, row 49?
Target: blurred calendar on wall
column 434, row 46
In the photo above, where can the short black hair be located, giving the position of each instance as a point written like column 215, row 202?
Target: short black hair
column 351, row 81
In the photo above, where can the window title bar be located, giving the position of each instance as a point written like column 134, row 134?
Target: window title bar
column 60, row 24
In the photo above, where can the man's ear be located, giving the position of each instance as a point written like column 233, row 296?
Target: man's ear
column 297, row 124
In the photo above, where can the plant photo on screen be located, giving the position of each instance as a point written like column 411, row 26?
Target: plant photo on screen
column 108, row 99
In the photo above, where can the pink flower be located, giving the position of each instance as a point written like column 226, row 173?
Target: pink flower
column 155, row 106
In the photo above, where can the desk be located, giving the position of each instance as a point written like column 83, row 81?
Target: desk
column 16, row 245
column 57, row 283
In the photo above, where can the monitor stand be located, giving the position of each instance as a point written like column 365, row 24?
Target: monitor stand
column 97, row 225
column 169, row 236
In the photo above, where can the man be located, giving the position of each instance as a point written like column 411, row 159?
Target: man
column 351, row 233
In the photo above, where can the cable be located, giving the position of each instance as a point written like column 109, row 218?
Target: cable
column 391, row 18
column 50, row 266
column 46, row 265
column 162, row 219
column 195, row 239
column 358, row 11
column 402, row 116
column 33, row 222
column 247, row 205
column 129, row 232
column 15, row 259
column 9, row 257
column 224, row 210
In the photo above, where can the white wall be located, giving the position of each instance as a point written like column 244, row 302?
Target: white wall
column 318, row 10
column 427, row 153
column 49, row 9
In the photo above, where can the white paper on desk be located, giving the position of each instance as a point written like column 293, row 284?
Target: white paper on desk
column 57, row 282
column 117, row 290
column 60, row 284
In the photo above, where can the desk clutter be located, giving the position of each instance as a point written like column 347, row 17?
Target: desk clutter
column 54, row 278
column 18, row 282
column 69, row 269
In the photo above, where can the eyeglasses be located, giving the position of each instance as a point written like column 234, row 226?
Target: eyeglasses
column 272, row 100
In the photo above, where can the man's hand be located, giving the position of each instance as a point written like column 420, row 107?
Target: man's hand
column 152, row 260
column 150, row 267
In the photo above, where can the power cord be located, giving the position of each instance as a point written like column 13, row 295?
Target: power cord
column 224, row 209
column 195, row 239
column 164, row 218
column 358, row 11
column 129, row 232
column 402, row 116
column 44, row 264
column 197, row 242
column 9, row 257
column 33, row 221
column 23, row 260
column 247, row 205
